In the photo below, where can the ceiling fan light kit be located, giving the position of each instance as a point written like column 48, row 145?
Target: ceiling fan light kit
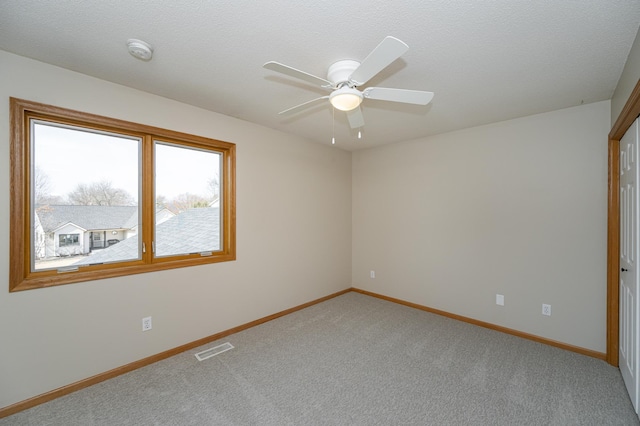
column 343, row 78
column 345, row 98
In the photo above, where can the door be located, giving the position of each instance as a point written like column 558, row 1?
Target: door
column 629, row 262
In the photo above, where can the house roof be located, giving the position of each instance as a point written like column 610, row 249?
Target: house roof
column 90, row 218
column 191, row 231
column 485, row 61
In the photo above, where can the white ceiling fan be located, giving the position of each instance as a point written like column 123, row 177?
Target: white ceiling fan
column 345, row 76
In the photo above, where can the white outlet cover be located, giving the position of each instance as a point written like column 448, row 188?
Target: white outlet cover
column 146, row 324
column 500, row 299
column 546, row 310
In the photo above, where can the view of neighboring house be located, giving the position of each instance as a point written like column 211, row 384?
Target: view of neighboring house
column 195, row 230
column 67, row 230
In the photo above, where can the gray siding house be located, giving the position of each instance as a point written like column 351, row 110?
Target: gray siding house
column 192, row 231
column 68, row 230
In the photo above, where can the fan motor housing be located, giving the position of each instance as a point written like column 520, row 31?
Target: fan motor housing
column 339, row 72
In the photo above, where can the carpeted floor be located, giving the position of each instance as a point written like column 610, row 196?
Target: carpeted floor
column 356, row 360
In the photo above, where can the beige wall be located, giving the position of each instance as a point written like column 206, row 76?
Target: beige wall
column 628, row 80
column 516, row 208
column 293, row 237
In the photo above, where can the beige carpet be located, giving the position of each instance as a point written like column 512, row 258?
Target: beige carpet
column 356, row 360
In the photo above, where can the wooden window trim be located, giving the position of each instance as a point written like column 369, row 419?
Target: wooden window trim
column 20, row 275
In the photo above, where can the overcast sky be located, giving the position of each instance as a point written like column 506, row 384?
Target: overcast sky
column 69, row 157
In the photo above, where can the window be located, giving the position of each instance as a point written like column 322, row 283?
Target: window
column 68, row 239
column 193, row 174
column 81, row 178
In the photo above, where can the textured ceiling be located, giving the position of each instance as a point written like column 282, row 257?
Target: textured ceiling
column 486, row 61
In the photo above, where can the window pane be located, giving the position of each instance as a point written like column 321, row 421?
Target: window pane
column 188, row 201
column 69, row 239
column 85, row 191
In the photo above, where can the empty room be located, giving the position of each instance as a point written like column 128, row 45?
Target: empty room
column 293, row 213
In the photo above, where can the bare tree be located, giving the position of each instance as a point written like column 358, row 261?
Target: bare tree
column 42, row 189
column 100, row 194
column 51, row 200
column 186, row 201
column 41, row 185
column 213, row 186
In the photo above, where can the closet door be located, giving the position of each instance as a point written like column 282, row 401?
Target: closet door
column 629, row 271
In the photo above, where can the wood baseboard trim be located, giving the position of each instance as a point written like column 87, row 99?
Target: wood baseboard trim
column 65, row 390
column 550, row 342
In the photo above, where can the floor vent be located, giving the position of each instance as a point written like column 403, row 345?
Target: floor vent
column 214, row 351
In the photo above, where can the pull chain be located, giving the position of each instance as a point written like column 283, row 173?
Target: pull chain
column 333, row 124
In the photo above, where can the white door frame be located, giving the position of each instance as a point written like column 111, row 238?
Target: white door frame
column 626, row 118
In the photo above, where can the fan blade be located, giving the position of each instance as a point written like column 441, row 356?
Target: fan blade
column 417, row 97
column 356, row 119
column 292, row 72
column 300, row 107
column 386, row 52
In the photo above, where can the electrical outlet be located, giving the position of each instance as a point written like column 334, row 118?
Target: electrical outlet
column 372, row 274
column 500, row 299
column 546, row 309
column 146, row 324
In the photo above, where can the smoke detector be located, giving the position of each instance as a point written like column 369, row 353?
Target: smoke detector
column 140, row 49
